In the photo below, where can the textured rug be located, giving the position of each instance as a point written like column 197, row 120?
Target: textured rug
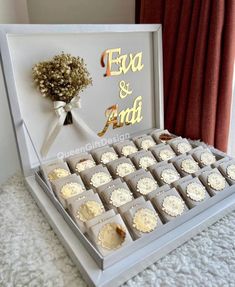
column 31, row 254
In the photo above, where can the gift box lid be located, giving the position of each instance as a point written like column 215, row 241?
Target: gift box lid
column 126, row 97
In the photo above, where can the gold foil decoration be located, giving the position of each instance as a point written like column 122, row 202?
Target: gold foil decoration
column 117, row 64
column 189, row 165
column 100, row 178
column 124, row 89
column 58, row 173
column 111, row 114
column 128, row 149
column 70, row 189
column 183, row 147
column 84, row 164
column 166, row 154
column 173, row 205
column 89, row 210
column 145, row 220
column 146, row 161
column 169, row 175
column 120, row 196
column 129, row 116
column 207, row 158
column 108, row 156
column 124, row 63
column 196, row 191
column 124, row 169
column 146, row 185
column 147, row 143
column 231, row 171
column 111, row 236
column 216, row 181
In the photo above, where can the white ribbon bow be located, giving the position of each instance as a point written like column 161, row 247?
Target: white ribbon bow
column 61, row 109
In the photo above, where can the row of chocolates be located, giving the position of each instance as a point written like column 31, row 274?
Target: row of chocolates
column 107, row 154
column 96, row 213
column 165, row 172
column 147, row 189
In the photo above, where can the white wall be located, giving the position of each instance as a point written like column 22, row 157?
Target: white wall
column 50, row 11
column 11, row 11
column 81, row 11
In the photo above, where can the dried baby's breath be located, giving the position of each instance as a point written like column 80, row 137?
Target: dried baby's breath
column 61, row 78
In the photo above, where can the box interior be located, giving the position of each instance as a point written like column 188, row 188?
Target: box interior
column 33, row 115
column 24, row 46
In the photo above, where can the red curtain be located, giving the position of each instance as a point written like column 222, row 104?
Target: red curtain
column 198, row 57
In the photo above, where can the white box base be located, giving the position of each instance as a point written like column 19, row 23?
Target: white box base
column 131, row 265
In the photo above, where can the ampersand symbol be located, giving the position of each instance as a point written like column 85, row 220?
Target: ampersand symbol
column 124, row 89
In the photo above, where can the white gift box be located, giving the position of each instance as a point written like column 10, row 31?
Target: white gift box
column 22, row 46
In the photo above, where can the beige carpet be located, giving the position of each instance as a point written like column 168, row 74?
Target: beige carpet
column 31, row 254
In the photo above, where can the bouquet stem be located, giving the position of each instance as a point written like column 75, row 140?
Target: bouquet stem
column 69, row 119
